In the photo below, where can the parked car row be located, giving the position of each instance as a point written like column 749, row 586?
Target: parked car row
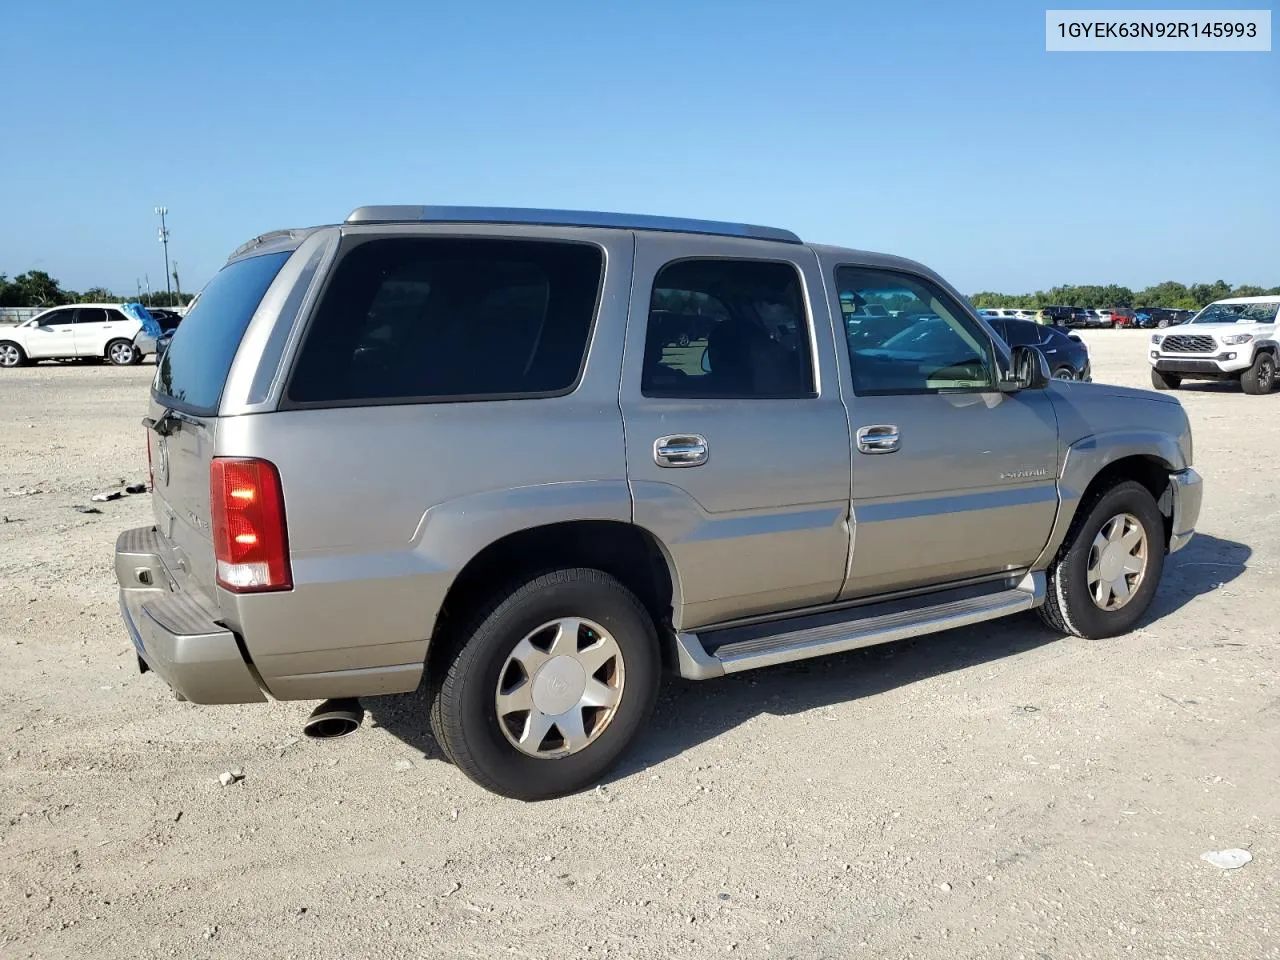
column 1117, row 318
column 118, row 333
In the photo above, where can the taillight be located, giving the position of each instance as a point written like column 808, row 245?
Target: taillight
column 250, row 540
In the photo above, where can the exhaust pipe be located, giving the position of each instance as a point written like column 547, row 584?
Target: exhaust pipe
column 334, row 718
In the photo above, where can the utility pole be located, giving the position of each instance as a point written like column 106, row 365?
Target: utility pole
column 164, row 239
column 137, row 284
column 146, row 280
column 177, row 286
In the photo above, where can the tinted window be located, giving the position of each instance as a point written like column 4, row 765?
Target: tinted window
column 925, row 343
column 1022, row 333
column 91, row 315
column 733, row 329
column 194, row 369
column 55, row 317
column 444, row 318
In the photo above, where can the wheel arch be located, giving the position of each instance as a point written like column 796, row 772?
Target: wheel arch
column 1098, row 463
column 626, row 551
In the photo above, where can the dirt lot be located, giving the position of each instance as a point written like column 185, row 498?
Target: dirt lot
column 990, row 792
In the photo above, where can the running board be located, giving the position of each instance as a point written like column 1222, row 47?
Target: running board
column 701, row 657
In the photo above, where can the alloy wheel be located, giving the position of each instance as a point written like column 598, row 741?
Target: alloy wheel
column 1117, row 562
column 560, row 688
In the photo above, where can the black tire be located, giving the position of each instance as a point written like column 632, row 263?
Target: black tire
column 117, row 356
column 1162, row 323
column 12, row 354
column 1261, row 377
column 1064, row 373
column 138, row 356
column 1165, row 381
column 1068, row 607
column 464, row 717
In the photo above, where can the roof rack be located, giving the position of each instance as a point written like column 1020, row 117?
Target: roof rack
column 565, row 218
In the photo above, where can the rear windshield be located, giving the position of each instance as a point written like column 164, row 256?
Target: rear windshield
column 194, row 369
column 419, row 319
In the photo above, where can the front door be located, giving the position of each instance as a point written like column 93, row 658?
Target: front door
column 737, row 439
column 952, row 479
column 53, row 336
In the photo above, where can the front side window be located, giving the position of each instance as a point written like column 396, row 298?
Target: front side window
column 55, row 317
column 918, row 341
column 443, row 318
column 730, row 329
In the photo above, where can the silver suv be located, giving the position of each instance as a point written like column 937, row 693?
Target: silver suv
column 531, row 459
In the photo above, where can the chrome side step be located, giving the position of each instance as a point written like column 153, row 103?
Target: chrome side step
column 696, row 663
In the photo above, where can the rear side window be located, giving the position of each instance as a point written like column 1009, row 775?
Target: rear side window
column 1022, row 333
column 727, row 329
column 194, row 369
column 435, row 318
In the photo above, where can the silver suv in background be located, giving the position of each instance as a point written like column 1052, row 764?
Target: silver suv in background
column 534, row 458
column 1233, row 339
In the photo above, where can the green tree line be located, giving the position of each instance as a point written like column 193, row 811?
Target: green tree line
column 35, row 288
column 1179, row 296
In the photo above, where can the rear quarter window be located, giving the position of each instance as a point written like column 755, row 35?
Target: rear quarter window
column 420, row 319
column 194, row 369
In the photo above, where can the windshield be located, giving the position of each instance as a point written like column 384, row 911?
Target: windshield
column 194, row 368
column 1238, row 313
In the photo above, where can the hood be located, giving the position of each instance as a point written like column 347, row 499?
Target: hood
column 1115, row 392
column 1217, row 329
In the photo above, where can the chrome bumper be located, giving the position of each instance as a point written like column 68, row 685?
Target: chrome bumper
column 173, row 630
column 1188, row 490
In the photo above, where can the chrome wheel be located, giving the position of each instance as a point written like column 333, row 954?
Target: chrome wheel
column 9, row 355
column 120, row 353
column 1117, row 562
column 1063, row 373
column 560, row 688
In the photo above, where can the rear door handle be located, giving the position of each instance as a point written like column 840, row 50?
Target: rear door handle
column 680, row 450
column 878, row 438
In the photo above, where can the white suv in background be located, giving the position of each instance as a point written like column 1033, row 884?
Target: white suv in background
column 1233, row 339
column 108, row 331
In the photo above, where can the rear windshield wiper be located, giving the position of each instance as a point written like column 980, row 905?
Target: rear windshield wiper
column 163, row 424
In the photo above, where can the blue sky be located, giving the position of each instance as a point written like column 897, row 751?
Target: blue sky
column 933, row 130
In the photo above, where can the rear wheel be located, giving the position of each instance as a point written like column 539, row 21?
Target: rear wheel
column 1117, row 325
column 11, row 355
column 1165, row 381
column 1261, row 377
column 548, row 685
column 1107, row 571
column 121, row 352
column 1064, row 373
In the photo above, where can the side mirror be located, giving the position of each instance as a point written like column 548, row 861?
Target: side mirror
column 1029, row 370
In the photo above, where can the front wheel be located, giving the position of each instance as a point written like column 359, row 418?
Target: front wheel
column 121, row 352
column 12, row 355
column 1164, row 381
column 1261, row 377
column 1107, row 571
column 1064, row 373
column 548, row 685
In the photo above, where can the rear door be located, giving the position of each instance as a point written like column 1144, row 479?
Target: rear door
column 737, row 439
column 189, row 383
column 53, row 335
column 91, row 331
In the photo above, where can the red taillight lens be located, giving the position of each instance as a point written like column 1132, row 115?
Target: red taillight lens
column 250, row 540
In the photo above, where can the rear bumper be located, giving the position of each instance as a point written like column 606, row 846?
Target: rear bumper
column 1188, row 491
column 175, row 631
column 145, row 344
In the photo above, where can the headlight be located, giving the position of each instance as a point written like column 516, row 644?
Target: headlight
column 1234, row 338
column 1157, row 337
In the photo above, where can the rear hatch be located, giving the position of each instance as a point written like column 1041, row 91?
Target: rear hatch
column 185, row 397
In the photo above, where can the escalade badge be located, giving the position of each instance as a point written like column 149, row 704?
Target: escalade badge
column 1024, row 474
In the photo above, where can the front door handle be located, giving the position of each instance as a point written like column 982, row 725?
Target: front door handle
column 680, row 450
column 878, row 438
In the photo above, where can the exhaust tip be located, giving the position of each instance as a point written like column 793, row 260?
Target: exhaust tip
column 334, row 718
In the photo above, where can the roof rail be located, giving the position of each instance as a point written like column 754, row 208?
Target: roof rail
column 565, row 218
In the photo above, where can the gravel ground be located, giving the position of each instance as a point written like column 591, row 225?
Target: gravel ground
column 989, row 792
